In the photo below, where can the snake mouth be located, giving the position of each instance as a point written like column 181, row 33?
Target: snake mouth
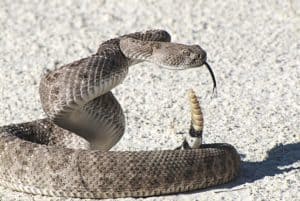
column 212, row 76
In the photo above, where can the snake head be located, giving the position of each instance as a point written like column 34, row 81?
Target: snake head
column 173, row 56
column 177, row 56
column 169, row 55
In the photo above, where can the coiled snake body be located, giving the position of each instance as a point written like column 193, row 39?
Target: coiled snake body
column 45, row 157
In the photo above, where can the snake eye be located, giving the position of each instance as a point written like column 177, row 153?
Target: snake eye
column 186, row 52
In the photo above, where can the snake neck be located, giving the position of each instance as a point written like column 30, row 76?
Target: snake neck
column 137, row 50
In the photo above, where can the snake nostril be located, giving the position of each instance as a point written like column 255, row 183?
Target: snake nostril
column 199, row 56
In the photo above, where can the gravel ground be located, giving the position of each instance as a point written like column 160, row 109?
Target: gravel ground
column 253, row 47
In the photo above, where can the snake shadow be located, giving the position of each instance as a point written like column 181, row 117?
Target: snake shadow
column 280, row 159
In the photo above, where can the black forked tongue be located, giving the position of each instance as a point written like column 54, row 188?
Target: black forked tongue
column 213, row 78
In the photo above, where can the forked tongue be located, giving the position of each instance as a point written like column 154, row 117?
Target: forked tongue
column 213, row 78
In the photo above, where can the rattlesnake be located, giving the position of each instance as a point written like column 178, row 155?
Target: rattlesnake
column 45, row 157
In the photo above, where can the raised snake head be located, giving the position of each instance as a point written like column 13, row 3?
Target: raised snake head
column 173, row 56
column 169, row 55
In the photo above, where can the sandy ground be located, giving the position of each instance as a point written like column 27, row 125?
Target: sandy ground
column 253, row 47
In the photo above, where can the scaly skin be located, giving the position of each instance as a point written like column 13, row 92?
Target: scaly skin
column 45, row 157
